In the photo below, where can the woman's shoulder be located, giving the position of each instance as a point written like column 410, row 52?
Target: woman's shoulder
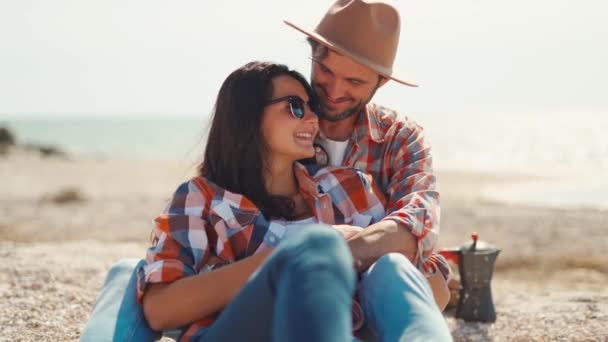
column 202, row 190
column 197, row 191
column 198, row 185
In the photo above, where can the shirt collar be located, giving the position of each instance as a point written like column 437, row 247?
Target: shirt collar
column 306, row 182
column 319, row 202
column 368, row 125
column 367, row 121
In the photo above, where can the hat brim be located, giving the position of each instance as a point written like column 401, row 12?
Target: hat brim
column 337, row 48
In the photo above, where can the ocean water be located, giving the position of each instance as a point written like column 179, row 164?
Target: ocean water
column 131, row 138
column 568, row 151
column 534, row 144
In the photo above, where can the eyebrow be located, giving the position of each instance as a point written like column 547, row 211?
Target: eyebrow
column 350, row 79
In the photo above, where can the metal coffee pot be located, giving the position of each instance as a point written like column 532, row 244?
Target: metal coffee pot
column 475, row 262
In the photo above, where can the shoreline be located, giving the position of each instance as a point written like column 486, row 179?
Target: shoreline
column 565, row 190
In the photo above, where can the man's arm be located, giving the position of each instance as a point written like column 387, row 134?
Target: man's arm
column 412, row 198
column 378, row 239
column 411, row 223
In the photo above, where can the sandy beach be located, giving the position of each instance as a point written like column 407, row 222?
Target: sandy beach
column 63, row 223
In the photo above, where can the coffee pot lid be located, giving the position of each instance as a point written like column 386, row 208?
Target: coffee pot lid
column 476, row 245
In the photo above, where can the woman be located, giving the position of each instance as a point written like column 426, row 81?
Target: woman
column 224, row 225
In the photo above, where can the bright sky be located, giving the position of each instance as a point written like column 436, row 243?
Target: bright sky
column 141, row 57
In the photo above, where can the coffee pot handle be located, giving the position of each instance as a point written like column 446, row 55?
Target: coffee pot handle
column 451, row 254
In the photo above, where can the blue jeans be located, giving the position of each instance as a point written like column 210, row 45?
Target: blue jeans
column 397, row 301
column 117, row 316
column 303, row 292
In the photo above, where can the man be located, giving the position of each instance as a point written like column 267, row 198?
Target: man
column 353, row 50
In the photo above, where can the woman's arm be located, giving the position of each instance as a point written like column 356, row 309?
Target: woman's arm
column 172, row 305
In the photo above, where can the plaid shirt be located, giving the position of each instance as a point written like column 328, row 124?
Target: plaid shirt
column 398, row 156
column 205, row 227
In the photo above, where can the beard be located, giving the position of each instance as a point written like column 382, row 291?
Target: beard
column 323, row 115
column 356, row 109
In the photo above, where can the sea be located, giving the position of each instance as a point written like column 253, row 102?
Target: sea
column 566, row 154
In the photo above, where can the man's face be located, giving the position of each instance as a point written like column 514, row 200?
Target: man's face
column 342, row 85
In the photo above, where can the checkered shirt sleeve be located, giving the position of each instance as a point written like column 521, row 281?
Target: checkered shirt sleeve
column 181, row 241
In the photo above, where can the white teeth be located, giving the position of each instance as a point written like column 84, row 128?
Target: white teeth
column 304, row 135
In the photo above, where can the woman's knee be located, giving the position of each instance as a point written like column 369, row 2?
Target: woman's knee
column 319, row 238
column 319, row 247
column 126, row 266
column 123, row 271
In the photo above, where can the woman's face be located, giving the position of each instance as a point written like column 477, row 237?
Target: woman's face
column 287, row 137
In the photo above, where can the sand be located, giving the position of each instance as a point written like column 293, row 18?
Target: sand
column 549, row 285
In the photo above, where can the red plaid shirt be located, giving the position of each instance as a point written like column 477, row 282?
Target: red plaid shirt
column 205, row 227
column 398, row 156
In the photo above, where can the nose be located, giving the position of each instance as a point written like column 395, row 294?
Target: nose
column 332, row 89
column 310, row 116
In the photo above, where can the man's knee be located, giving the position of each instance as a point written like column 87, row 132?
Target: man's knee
column 398, row 273
column 394, row 269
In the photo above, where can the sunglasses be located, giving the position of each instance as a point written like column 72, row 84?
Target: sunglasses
column 296, row 105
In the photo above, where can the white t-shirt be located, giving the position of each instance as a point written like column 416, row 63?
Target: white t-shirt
column 293, row 227
column 335, row 150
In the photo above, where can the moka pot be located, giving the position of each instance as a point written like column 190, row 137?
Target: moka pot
column 475, row 262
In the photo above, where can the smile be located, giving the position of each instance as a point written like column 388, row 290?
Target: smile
column 304, row 135
column 330, row 100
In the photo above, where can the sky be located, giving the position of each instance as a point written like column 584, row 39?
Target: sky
column 149, row 57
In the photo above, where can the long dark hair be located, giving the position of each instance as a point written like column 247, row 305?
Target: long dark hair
column 235, row 155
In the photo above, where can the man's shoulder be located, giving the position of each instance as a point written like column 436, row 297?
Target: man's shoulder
column 383, row 113
column 389, row 119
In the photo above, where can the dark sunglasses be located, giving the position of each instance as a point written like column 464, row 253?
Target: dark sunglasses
column 296, row 105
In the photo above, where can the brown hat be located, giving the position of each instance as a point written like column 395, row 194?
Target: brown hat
column 365, row 30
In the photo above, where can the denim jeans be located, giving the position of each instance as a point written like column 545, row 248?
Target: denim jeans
column 303, row 292
column 117, row 316
column 397, row 301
